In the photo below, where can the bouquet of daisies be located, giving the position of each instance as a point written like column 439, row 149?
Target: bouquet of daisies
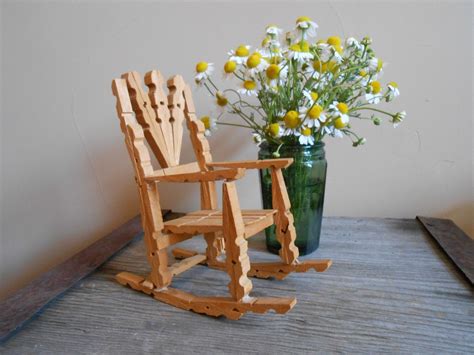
column 295, row 90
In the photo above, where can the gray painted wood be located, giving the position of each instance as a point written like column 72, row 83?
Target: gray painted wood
column 456, row 244
column 390, row 289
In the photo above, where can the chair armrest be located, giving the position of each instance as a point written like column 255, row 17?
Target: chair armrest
column 224, row 174
column 280, row 163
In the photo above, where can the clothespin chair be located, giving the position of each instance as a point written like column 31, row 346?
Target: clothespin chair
column 158, row 118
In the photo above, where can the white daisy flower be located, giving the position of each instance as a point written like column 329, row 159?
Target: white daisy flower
column 375, row 94
column 256, row 64
column 336, row 133
column 221, row 101
column 398, row 118
column 340, row 109
column 249, row 87
column 276, row 130
column 324, row 51
column 304, row 136
column 312, row 116
column 336, row 56
column 258, row 139
column 273, row 30
column 373, row 99
column 353, row 44
column 306, row 26
column 311, row 96
column 292, row 123
column 376, row 65
column 203, row 71
column 240, row 54
column 393, row 91
column 210, row 125
column 300, row 52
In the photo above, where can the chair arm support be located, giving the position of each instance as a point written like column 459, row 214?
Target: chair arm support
column 280, row 163
column 214, row 175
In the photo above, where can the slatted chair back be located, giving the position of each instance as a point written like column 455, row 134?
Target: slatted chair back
column 162, row 117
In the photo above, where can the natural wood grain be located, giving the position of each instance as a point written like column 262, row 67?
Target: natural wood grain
column 225, row 232
column 146, row 117
column 391, row 289
column 208, row 221
column 457, row 244
column 284, row 222
column 159, row 101
column 254, row 164
column 224, row 174
column 211, row 306
column 18, row 308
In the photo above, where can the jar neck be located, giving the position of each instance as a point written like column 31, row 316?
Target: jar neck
column 315, row 151
column 292, row 147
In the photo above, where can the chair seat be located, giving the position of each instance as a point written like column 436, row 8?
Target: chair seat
column 205, row 221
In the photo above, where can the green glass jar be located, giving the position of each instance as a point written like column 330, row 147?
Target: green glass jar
column 305, row 182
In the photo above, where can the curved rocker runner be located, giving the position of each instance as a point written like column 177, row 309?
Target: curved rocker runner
column 158, row 119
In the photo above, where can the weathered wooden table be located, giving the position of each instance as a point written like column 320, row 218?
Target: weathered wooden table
column 390, row 289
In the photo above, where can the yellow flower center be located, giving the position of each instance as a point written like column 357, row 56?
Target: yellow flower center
column 230, row 66
column 201, row 67
column 332, row 66
column 291, row 119
column 376, row 87
column 274, row 129
column 304, row 45
column 314, row 95
column 254, row 60
column 363, row 73
column 295, row 47
column 207, row 121
column 320, row 67
column 315, row 112
column 241, row 51
column 338, row 49
column 250, row 84
column 273, row 60
column 334, row 41
column 339, row 123
column 306, row 131
column 302, row 19
column 393, row 84
column 221, row 99
column 379, row 65
column 265, row 41
column 342, row 107
column 273, row 71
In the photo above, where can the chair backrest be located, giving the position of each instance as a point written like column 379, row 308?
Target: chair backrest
column 162, row 116
column 159, row 119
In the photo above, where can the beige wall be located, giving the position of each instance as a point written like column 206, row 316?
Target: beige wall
column 66, row 178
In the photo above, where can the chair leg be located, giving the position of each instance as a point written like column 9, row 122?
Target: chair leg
column 160, row 274
column 215, row 247
column 285, row 229
column 237, row 260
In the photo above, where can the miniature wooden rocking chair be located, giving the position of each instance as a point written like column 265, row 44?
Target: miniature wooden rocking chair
column 159, row 119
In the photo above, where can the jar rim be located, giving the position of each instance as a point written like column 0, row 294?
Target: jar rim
column 286, row 146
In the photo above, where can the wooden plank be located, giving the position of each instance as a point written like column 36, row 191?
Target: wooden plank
column 26, row 302
column 388, row 291
column 186, row 264
column 455, row 243
column 224, row 174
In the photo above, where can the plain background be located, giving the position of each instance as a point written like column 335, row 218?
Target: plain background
column 66, row 177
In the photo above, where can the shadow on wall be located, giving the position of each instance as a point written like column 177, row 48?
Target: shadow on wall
column 463, row 216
